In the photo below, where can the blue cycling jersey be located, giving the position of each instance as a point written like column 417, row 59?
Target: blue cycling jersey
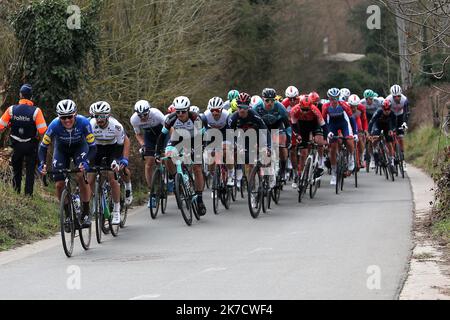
column 68, row 139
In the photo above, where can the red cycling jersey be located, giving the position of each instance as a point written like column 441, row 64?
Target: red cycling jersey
column 361, row 118
column 313, row 114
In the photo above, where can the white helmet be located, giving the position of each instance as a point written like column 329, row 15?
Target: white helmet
column 142, row 107
column 66, row 107
column 91, row 109
column 256, row 100
column 181, row 103
column 354, row 100
column 194, row 109
column 101, row 107
column 215, row 103
column 292, row 92
column 345, row 94
column 396, row 90
column 380, row 99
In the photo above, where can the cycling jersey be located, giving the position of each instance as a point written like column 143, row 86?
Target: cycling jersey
column 150, row 129
column 399, row 108
column 288, row 105
column 381, row 122
column 275, row 118
column 360, row 117
column 220, row 124
column 339, row 118
column 113, row 133
column 371, row 108
column 306, row 122
column 77, row 143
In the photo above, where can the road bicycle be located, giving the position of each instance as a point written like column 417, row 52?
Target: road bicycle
column 158, row 190
column 220, row 190
column 259, row 191
column 382, row 160
column 342, row 170
column 70, row 213
column 310, row 177
column 399, row 158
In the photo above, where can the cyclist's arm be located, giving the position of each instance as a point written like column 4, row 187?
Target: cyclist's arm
column 46, row 142
column 374, row 120
column 126, row 147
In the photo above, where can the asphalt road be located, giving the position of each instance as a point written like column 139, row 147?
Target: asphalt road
column 355, row 245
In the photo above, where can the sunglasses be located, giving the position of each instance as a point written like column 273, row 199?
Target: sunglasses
column 269, row 100
column 143, row 115
column 182, row 112
column 66, row 117
column 242, row 107
column 216, row 110
column 101, row 117
column 293, row 99
column 398, row 97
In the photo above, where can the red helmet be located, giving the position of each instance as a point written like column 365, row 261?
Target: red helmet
column 314, row 97
column 171, row 109
column 305, row 102
column 244, row 98
column 387, row 105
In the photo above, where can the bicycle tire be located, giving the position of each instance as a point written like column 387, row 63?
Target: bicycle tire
column 216, row 190
column 264, row 194
column 338, row 175
column 400, row 161
column 123, row 206
column 244, row 186
column 165, row 193
column 114, row 228
column 182, row 198
column 63, row 216
column 303, row 185
column 98, row 212
column 193, row 198
column 155, row 192
column 254, row 191
column 314, row 185
column 86, row 235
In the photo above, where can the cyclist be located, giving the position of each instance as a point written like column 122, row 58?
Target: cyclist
column 292, row 99
column 230, row 105
column 338, row 117
column 400, row 107
column 217, row 118
column 73, row 138
column 188, row 121
column 372, row 104
column 360, row 116
column 315, row 100
column 276, row 117
column 345, row 94
column 112, row 144
column 195, row 109
column 306, row 121
column 384, row 120
column 247, row 119
column 147, row 123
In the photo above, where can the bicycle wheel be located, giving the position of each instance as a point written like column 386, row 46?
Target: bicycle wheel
column 244, row 186
column 164, row 192
column 67, row 223
column 303, row 185
column 255, row 193
column 216, row 190
column 192, row 197
column 114, row 228
column 401, row 161
column 98, row 212
column 183, row 200
column 315, row 183
column 339, row 173
column 276, row 192
column 86, row 234
column 123, row 206
column 155, row 192
column 265, row 194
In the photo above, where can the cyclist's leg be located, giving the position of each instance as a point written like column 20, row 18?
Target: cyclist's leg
column 61, row 160
column 85, row 190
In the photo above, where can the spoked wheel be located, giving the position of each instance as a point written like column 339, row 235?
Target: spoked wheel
column 123, row 207
column 86, row 234
column 339, row 175
column 303, row 183
column 155, row 193
column 216, row 190
column 244, row 186
column 276, row 192
column 401, row 161
column 193, row 199
column 67, row 223
column 234, row 191
column 113, row 227
column 183, row 199
column 255, row 193
column 315, row 184
column 99, row 217
column 265, row 194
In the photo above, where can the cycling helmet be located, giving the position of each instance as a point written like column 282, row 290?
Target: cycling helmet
column 305, row 102
column 396, row 90
column 91, row 109
column 345, row 94
column 314, row 97
column 269, row 93
column 142, row 107
column 215, row 103
column 354, row 100
column 66, row 107
column 194, row 109
column 334, row 93
column 244, row 98
column 256, row 101
column 370, row 94
column 181, row 103
column 233, row 94
column 292, row 92
column 101, row 107
column 279, row 98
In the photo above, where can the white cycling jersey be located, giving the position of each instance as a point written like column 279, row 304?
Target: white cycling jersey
column 398, row 108
column 216, row 124
column 113, row 133
column 155, row 119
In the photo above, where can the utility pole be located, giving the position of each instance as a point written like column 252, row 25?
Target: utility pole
column 405, row 66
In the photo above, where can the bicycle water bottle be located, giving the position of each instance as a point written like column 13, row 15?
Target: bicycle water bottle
column 76, row 203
